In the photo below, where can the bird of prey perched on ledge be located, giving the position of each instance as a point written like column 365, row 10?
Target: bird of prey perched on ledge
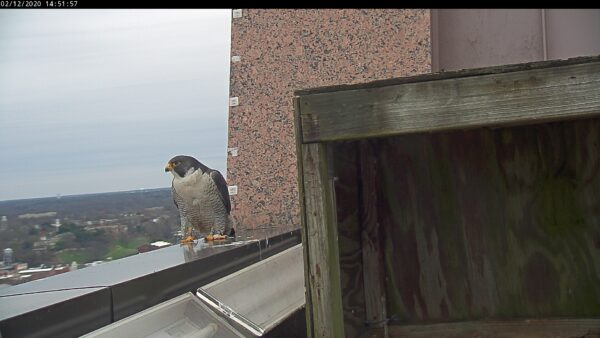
column 202, row 198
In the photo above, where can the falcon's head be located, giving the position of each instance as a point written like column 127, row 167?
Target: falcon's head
column 182, row 165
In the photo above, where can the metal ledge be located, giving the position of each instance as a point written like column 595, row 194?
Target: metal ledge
column 81, row 301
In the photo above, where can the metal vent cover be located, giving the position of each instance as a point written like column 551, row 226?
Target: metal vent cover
column 184, row 316
column 260, row 296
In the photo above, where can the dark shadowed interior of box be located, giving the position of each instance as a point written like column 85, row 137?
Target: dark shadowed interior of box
column 476, row 224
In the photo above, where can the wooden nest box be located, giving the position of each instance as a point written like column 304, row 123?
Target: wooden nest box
column 457, row 204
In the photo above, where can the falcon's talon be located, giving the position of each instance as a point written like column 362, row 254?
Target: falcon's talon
column 215, row 238
column 188, row 240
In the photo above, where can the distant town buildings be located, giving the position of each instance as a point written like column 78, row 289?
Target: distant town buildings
column 152, row 246
column 48, row 239
column 28, row 275
column 114, row 229
column 37, row 215
column 3, row 223
column 8, row 256
column 12, row 272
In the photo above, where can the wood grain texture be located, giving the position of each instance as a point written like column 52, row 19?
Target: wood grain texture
column 533, row 328
column 475, row 223
column 518, row 97
column 323, row 268
column 304, row 229
column 345, row 161
column 372, row 245
column 500, row 223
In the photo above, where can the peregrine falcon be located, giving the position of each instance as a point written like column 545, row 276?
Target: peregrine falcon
column 202, row 198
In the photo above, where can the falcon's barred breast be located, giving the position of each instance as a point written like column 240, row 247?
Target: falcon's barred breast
column 202, row 198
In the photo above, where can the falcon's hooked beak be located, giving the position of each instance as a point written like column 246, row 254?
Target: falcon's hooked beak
column 169, row 167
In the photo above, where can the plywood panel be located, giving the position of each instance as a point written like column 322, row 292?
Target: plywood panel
column 497, row 223
column 345, row 162
column 371, row 237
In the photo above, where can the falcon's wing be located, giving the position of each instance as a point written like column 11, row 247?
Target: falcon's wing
column 222, row 187
column 181, row 207
column 175, row 196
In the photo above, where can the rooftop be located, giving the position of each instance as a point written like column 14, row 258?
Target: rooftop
column 83, row 300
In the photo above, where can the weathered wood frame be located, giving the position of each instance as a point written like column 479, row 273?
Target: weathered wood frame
column 487, row 97
column 497, row 96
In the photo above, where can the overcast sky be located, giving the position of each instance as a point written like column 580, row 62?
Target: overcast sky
column 99, row 100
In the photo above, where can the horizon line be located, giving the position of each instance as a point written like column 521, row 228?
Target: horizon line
column 58, row 196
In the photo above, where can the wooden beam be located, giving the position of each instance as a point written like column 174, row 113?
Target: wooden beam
column 344, row 156
column 497, row 99
column 324, row 314
column 303, row 232
column 510, row 328
column 321, row 246
column 372, row 246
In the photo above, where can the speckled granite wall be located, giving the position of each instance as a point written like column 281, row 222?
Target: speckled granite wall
column 284, row 50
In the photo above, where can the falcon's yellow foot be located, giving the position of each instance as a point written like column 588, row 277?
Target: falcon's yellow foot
column 188, row 240
column 210, row 238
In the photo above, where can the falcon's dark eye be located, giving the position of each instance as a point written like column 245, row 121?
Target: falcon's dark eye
column 176, row 163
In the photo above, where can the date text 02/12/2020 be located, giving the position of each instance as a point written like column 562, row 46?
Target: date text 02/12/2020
column 38, row 4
